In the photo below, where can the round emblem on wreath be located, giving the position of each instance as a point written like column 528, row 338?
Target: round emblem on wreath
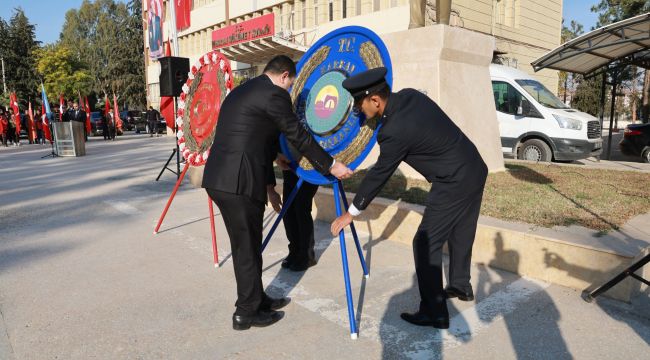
column 326, row 108
column 208, row 83
column 328, row 104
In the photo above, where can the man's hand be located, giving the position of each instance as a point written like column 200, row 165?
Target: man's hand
column 340, row 171
column 274, row 198
column 340, row 222
column 282, row 162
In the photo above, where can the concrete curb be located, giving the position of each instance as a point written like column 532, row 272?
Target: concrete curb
column 568, row 258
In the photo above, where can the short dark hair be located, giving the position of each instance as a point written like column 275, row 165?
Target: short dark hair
column 382, row 92
column 280, row 64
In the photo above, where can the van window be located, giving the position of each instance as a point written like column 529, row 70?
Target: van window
column 506, row 98
column 540, row 93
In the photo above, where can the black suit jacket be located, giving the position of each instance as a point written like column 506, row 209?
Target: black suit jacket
column 80, row 116
column 416, row 130
column 246, row 141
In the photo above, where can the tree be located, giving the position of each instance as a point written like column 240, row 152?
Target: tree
column 61, row 72
column 4, row 50
column 18, row 46
column 611, row 11
column 107, row 38
column 587, row 95
column 567, row 35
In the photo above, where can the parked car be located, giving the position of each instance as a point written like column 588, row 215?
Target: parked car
column 535, row 125
column 126, row 124
column 133, row 120
column 636, row 141
column 162, row 125
column 143, row 124
column 96, row 121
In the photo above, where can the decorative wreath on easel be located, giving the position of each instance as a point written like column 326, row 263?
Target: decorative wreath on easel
column 208, row 83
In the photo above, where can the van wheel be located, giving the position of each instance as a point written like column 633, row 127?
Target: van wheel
column 535, row 150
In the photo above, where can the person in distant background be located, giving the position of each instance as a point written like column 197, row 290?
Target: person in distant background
column 11, row 129
column 38, row 119
column 4, row 125
column 153, row 118
column 77, row 114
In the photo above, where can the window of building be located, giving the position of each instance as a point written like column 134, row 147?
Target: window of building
column 315, row 12
column 506, row 98
column 331, row 10
column 357, row 7
column 376, row 5
column 506, row 12
column 344, row 9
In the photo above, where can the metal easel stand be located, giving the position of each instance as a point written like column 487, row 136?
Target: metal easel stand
column 339, row 195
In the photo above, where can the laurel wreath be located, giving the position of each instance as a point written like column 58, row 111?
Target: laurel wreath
column 194, row 154
column 372, row 58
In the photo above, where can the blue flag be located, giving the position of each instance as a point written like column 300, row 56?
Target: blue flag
column 48, row 111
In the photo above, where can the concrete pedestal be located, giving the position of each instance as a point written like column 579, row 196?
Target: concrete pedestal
column 450, row 65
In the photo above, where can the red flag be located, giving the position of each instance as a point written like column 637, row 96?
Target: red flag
column 61, row 103
column 116, row 113
column 168, row 49
column 167, row 102
column 107, row 108
column 13, row 99
column 87, row 110
column 183, row 8
column 167, row 110
column 46, row 124
column 31, row 126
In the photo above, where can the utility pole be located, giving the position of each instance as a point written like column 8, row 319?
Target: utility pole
column 4, row 81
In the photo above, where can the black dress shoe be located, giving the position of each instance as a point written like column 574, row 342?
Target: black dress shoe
column 422, row 319
column 261, row 319
column 286, row 263
column 463, row 295
column 302, row 266
column 274, row 304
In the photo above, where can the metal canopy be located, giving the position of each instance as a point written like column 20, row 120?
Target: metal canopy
column 262, row 50
column 626, row 41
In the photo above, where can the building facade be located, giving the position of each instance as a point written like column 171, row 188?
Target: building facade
column 524, row 29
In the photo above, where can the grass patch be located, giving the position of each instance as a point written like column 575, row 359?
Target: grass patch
column 546, row 195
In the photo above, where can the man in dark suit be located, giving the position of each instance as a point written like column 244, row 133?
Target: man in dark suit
column 239, row 177
column 415, row 130
column 153, row 118
column 78, row 115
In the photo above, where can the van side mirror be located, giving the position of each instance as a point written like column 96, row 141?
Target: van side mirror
column 524, row 108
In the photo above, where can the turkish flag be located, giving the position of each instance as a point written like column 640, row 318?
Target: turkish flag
column 183, row 8
column 61, row 104
column 46, row 124
column 116, row 113
column 107, row 107
column 13, row 99
column 31, row 126
column 87, row 110
column 167, row 102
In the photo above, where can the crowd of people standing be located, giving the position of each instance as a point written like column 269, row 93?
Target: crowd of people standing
column 10, row 130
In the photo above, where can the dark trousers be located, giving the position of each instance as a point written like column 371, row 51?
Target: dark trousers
column 243, row 217
column 298, row 222
column 153, row 127
column 455, row 222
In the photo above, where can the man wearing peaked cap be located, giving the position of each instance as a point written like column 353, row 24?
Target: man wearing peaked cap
column 416, row 130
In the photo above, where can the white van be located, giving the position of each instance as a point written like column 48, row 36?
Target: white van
column 535, row 125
